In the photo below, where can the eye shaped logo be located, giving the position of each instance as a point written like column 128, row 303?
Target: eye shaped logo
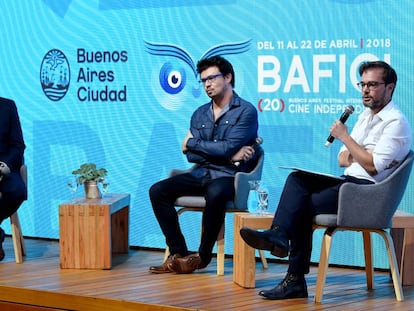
column 172, row 80
column 55, row 75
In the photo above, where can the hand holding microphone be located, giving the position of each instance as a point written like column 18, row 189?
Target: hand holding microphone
column 258, row 141
column 345, row 115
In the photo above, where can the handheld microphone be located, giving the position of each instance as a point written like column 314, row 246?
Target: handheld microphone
column 258, row 141
column 347, row 112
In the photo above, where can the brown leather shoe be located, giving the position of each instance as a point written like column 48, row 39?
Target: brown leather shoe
column 187, row 264
column 164, row 268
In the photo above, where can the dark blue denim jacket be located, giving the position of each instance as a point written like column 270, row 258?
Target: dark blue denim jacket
column 215, row 142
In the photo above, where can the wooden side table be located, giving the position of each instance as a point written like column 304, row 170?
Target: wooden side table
column 92, row 229
column 402, row 233
column 244, row 263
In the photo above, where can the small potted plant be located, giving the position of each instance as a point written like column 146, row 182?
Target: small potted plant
column 88, row 175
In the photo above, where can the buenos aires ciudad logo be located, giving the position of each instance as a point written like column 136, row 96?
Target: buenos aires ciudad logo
column 55, row 75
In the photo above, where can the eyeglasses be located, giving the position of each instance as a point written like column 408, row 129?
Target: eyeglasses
column 372, row 85
column 210, row 78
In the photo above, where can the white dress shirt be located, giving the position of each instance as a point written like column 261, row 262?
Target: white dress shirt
column 387, row 134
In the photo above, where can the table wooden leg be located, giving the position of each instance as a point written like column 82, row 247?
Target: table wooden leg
column 244, row 263
column 404, row 250
column 407, row 269
column 244, row 268
column 119, row 231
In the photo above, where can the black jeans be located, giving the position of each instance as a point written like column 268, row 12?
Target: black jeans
column 217, row 193
column 303, row 197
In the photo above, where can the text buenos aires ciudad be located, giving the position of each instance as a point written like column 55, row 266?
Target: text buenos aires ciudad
column 97, row 82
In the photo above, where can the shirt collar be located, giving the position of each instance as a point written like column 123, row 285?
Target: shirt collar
column 384, row 114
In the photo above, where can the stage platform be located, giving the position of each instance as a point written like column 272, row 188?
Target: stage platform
column 39, row 285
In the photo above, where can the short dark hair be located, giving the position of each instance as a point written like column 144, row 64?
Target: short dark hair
column 223, row 65
column 389, row 76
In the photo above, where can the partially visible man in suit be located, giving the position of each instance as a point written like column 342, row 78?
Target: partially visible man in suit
column 12, row 188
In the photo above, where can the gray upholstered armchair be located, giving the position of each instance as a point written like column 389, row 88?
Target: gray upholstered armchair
column 365, row 208
column 239, row 204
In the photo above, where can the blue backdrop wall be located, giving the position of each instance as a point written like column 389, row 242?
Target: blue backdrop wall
column 113, row 82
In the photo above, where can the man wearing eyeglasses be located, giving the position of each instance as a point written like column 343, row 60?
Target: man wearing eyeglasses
column 12, row 188
column 221, row 134
column 379, row 141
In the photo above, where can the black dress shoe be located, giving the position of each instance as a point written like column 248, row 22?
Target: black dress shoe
column 2, row 235
column 164, row 268
column 187, row 264
column 274, row 240
column 292, row 286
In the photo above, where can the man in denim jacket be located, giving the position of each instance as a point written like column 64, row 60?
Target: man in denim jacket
column 222, row 132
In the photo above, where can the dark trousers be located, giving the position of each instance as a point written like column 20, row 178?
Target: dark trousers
column 217, row 193
column 13, row 193
column 303, row 197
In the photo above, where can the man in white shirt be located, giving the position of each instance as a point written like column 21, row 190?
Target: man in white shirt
column 379, row 141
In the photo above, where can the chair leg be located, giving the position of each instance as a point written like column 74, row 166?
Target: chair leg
column 18, row 242
column 393, row 264
column 323, row 263
column 220, row 251
column 263, row 258
column 369, row 269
